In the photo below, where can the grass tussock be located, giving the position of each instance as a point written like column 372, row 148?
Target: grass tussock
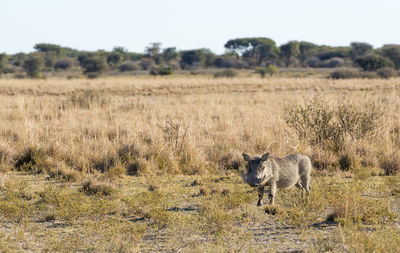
column 94, row 187
column 391, row 163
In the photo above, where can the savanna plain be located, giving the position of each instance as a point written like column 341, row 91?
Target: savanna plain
column 149, row 164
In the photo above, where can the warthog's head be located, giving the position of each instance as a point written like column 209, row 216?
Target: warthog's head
column 257, row 173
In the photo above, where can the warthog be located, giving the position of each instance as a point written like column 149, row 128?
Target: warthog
column 277, row 173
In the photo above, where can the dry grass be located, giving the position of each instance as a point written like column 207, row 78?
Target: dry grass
column 163, row 156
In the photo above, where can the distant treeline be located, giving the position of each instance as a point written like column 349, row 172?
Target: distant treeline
column 242, row 53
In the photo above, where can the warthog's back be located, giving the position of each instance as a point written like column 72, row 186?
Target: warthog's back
column 289, row 169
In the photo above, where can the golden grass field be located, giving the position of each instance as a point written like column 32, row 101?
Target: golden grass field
column 127, row 164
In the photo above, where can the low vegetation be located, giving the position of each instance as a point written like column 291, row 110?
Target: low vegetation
column 153, row 164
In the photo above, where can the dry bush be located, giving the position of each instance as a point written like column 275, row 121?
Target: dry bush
column 391, row 163
column 60, row 171
column 32, row 160
column 115, row 172
column 93, row 187
column 330, row 128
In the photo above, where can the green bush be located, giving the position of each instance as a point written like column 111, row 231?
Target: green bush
column 92, row 65
column 128, row 66
column 387, row 73
column 32, row 160
column 373, row 62
column 162, row 71
column 349, row 74
column 63, row 64
column 3, row 62
column 32, row 66
column 345, row 74
column 270, row 70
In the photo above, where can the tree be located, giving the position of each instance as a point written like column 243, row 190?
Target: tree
column 121, row 50
column 3, row 62
column 46, row 47
column 162, row 71
column 306, row 50
column 33, row 66
column 169, row 54
column 359, row 49
column 373, row 62
column 91, row 63
column 114, row 58
column 63, row 64
column 154, row 49
column 326, row 52
column 50, row 59
column 393, row 53
column 289, row 51
column 260, row 49
column 194, row 58
column 17, row 59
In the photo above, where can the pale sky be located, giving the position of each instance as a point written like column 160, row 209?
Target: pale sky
column 103, row 24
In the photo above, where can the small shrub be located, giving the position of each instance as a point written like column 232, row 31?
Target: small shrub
column 334, row 62
column 63, row 64
column 162, row 71
column 373, row 62
column 328, row 127
column 228, row 73
column 128, row 66
column 60, row 171
column 92, row 64
column 33, row 66
column 146, row 63
column 270, row 70
column 345, row 74
column 92, row 187
column 349, row 161
column 137, row 166
column 115, row 172
column 92, row 75
column 391, row 163
column 387, row 73
column 33, row 160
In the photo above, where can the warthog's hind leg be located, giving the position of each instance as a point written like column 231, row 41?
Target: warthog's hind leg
column 260, row 196
column 304, row 185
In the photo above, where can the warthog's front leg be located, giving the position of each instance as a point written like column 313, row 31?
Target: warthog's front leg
column 260, row 196
column 272, row 191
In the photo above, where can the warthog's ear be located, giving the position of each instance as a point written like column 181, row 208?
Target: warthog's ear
column 264, row 157
column 246, row 157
